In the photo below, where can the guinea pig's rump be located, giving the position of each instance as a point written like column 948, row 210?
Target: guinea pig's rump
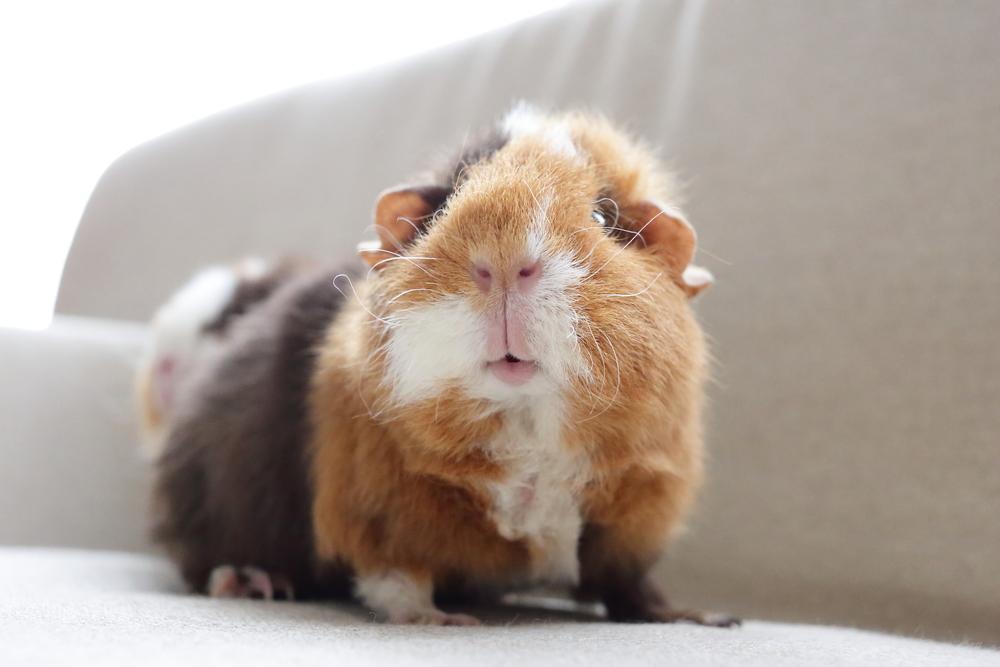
column 232, row 483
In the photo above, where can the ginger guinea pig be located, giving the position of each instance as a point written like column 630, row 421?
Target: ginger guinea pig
column 509, row 397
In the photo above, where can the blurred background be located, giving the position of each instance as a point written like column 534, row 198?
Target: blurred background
column 85, row 81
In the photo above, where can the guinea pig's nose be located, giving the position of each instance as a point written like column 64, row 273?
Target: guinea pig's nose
column 528, row 275
column 524, row 275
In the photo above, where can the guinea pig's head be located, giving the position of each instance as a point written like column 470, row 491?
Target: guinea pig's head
column 551, row 263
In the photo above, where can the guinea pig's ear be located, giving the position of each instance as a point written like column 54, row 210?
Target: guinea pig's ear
column 695, row 280
column 401, row 214
column 666, row 233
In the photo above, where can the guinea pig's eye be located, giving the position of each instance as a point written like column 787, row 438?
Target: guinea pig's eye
column 612, row 229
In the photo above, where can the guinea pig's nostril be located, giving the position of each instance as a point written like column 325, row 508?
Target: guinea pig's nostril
column 482, row 276
column 528, row 275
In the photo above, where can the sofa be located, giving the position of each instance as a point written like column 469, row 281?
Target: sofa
column 841, row 163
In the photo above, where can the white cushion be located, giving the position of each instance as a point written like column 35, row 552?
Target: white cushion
column 90, row 607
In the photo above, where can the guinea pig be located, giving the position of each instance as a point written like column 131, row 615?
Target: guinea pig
column 508, row 395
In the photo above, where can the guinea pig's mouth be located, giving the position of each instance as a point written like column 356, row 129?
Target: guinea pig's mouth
column 512, row 370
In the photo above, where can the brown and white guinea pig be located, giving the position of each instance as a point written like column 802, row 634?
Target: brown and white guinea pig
column 509, row 397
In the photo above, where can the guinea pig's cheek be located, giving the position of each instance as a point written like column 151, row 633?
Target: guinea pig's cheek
column 431, row 346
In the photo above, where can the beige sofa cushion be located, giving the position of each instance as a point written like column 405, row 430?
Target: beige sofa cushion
column 70, row 470
column 93, row 608
column 842, row 161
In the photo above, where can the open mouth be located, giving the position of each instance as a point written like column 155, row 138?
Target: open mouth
column 513, row 371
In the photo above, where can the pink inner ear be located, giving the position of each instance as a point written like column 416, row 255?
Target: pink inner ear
column 400, row 215
column 665, row 232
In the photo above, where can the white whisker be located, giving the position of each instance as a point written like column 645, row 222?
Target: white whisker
column 714, row 256
column 617, row 229
column 416, row 230
column 412, row 259
column 415, row 289
column 618, row 384
column 617, row 212
column 395, row 240
column 622, row 249
column 623, row 296
column 358, row 297
column 604, row 363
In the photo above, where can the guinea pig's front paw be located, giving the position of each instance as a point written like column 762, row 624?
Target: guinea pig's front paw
column 433, row 617
column 405, row 598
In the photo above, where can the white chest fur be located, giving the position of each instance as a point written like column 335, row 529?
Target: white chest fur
column 539, row 499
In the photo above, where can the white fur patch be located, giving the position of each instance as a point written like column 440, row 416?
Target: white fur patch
column 396, row 595
column 539, row 223
column 445, row 342
column 433, row 345
column 538, row 501
column 405, row 600
column 194, row 306
column 523, row 119
column 526, row 120
column 553, row 323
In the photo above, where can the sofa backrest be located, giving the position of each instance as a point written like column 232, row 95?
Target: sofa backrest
column 842, row 163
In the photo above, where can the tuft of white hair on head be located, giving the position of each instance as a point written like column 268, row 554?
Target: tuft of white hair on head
column 525, row 119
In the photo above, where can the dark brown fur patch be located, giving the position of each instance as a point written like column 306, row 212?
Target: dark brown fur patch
column 233, row 484
column 448, row 178
column 249, row 293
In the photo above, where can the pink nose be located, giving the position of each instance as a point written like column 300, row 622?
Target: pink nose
column 526, row 275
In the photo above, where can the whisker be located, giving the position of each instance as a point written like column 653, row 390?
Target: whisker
column 412, row 259
column 387, row 251
column 402, row 256
column 358, row 297
column 416, row 230
column 618, row 384
column 590, row 254
column 622, row 249
column 415, row 289
column 617, row 229
column 533, row 196
column 380, row 350
column 636, row 293
column 395, row 239
column 609, row 199
column 604, row 363
column 714, row 256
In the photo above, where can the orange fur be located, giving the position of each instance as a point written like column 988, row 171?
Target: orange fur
column 150, row 419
